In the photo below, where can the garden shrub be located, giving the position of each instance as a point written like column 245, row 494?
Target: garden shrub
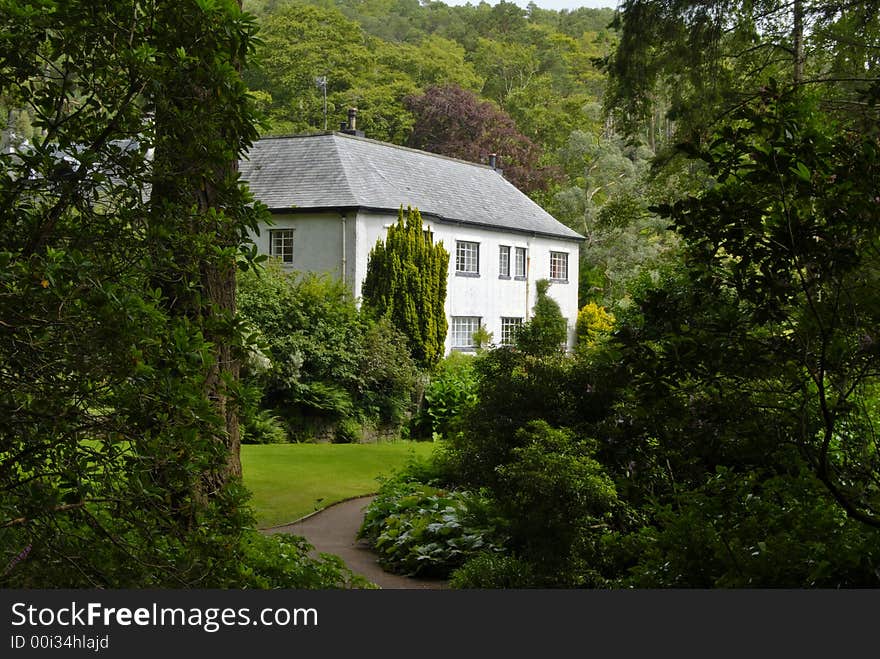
column 390, row 381
column 756, row 530
column 262, row 427
column 432, row 470
column 328, row 363
column 492, row 570
column 593, row 322
column 406, row 282
column 450, row 393
column 554, row 493
column 546, row 333
column 281, row 560
column 348, row 431
column 421, row 530
column 512, row 389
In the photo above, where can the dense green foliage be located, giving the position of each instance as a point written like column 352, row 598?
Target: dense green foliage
column 449, row 393
column 406, row 283
column 546, row 332
column 113, row 453
column 281, row 561
column 682, row 64
column 495, row 570
column 605, row 193
column 417, row 529
column 787, row 243
column 325, row 369
column 122, row 220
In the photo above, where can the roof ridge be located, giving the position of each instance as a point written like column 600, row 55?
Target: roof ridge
column 370, row 140
column 413, row 150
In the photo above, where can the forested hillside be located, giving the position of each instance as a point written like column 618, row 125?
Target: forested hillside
column 469, row 81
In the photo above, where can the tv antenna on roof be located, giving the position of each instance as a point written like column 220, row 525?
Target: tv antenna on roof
column 321, row 83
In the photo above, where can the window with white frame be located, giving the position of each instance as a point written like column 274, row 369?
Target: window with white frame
column 509, row 326
column 281, row 244
column 520, row 264
column 467, row 257
column 504, row 261
column 463, row 328
column 559, row 266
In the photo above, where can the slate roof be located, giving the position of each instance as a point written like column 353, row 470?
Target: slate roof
column 336, row 170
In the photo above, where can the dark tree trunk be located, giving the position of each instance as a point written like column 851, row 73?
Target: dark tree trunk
column 193, row 182
column 798, row 42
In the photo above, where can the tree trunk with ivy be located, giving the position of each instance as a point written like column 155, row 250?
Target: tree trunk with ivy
column 198, row 109
column 121, row 222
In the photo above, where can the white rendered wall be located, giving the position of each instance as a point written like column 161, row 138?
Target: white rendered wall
column 486, row 296
column 322, row 242
column 337, row 242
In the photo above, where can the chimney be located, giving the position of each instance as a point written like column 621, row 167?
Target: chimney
column 493, row 163
column 351, row 127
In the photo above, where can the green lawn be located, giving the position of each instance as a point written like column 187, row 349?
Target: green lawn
column 292, row 480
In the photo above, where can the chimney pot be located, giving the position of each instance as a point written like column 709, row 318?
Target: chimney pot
column 350, row 128
column 493, row 160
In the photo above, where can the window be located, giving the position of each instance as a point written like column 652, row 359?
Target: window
column 520, row 265
column 281, row 244
column 467, row 257
column 559, row 266
column 504, row 261
column 463, row 328
column 509, row 326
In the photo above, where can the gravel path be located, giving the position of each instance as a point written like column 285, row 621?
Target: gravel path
column 334, row 530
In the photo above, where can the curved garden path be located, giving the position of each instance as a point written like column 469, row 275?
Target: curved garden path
column 333, row 530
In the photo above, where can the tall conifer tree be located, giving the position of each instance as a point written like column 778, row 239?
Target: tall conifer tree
column 406, row 281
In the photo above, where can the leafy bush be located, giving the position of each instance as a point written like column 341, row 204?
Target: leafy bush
column 494, row 571
column 755, row 530
column 593, row 322
column 554, row 494
column 262, row 427
column 281, row 560
column 348, row 431
column 482, row 338
column 450, row 392
column 390, row 381
column 512, row 389
column 546, row 333
column 422, row 530
column 327, row 361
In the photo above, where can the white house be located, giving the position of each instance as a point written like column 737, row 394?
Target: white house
column 333, row 195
